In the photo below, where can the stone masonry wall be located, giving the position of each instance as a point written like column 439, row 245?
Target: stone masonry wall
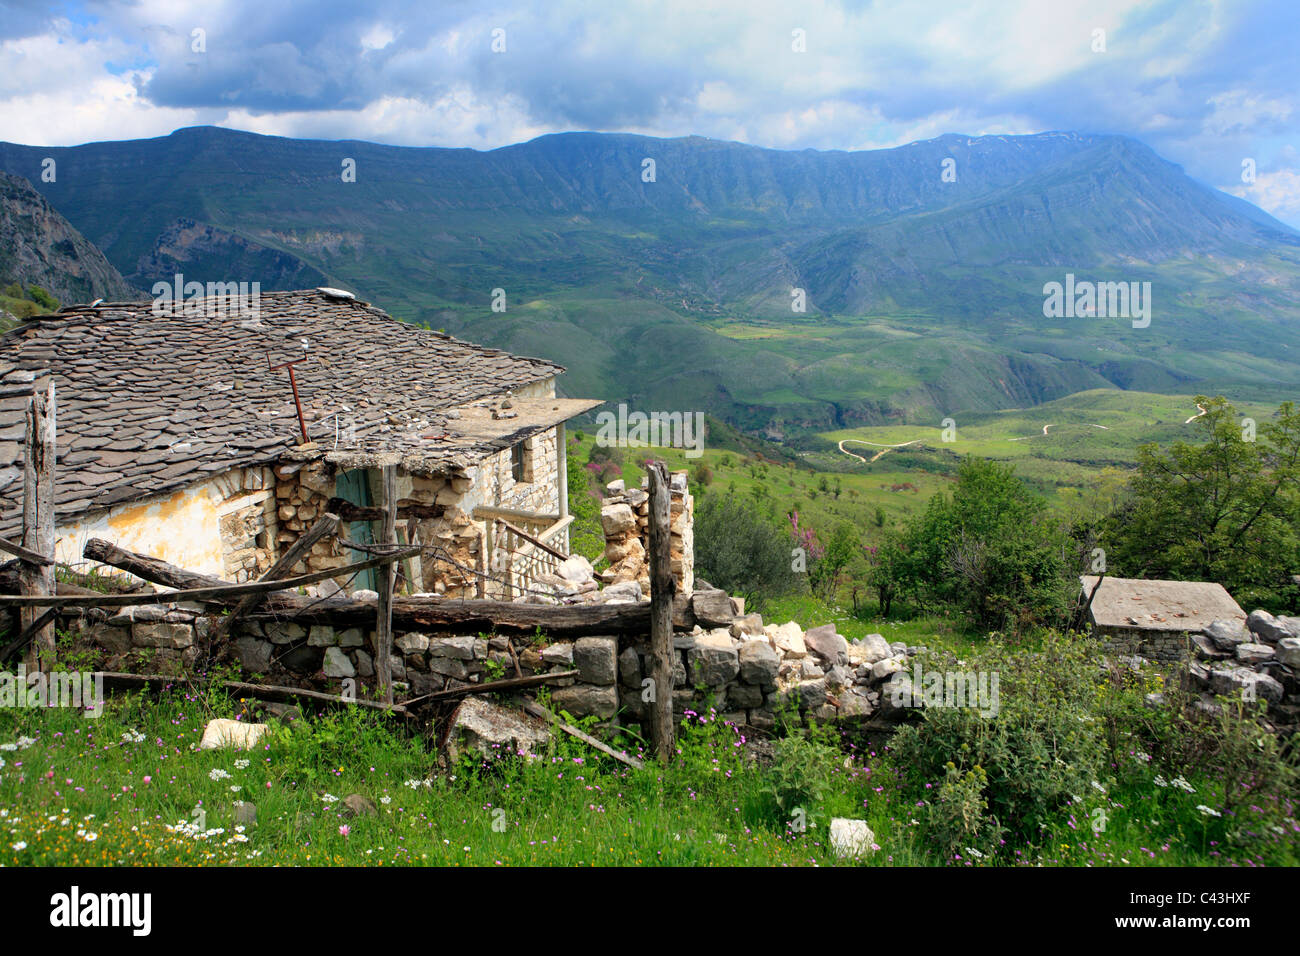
column 625, row 519
column 1149, row 644
column 302, row 492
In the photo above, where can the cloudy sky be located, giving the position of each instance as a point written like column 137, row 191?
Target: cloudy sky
column 1208, row 83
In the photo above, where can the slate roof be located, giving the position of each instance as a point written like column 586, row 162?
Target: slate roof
column 1159, row 605
column 148, row 403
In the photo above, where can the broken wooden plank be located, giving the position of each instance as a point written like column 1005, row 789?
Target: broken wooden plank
column 537, row 710
column 414, row 613
column 535, row 542
column 25, row 636
column 407, row 509
column 491, row 687
column 9, row 582
column 328, row 524
column 386, row 582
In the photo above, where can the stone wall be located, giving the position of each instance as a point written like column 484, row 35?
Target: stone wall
column 736, row 665
column 1142, row 642
column 302, row 491
column 625, row 519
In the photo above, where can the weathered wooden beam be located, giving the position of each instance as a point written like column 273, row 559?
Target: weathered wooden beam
column 663, row 587
column 407, row 509
column 492, row 687
column 270, row 692
column 18, row 551
column 328, row 524
column 37, row 580
column 387, row 580
column 224, row 592
column 9, row 582
column 537, row 710
column 562, row 620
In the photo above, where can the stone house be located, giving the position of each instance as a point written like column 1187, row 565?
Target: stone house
column 180, row 437
column 1156, row 619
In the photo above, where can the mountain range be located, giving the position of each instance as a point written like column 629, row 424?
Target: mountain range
column 670, row 272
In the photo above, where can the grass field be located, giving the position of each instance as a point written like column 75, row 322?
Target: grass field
column 131, row 789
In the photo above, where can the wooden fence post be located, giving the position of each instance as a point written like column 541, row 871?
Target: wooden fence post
column 38, row 518
column 662, row 588
column 387, row 578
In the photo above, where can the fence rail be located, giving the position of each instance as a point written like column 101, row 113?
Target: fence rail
column 519, row 547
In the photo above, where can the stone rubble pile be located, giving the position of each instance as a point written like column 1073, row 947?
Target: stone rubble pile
column 1259, row 659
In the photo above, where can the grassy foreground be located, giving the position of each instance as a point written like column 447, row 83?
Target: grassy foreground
column 130, row 788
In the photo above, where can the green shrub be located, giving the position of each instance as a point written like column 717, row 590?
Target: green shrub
column 1042, row 747
column 42, row 298
column 957, row 819
column 801, row 778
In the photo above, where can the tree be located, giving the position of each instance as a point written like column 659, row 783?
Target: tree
column 989, row 549
column 42, row 298
column 740, row 551
column 1225, row 510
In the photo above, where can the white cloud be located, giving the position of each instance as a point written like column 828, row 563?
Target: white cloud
column 1276, row 192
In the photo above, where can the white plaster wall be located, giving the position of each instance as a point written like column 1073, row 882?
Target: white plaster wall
column 181, row 528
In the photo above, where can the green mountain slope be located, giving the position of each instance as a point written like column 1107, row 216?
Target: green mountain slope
column 923, row 297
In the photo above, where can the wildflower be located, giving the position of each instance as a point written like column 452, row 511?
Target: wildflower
column 1160, row 781
column 1209, row 811
column 329, row 798
column 1182, row 784
column 241, row 764
column 19, row 846
column 343, row 830
column 217, row 773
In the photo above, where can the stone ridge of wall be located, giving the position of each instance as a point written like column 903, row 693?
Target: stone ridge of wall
column 732, row 664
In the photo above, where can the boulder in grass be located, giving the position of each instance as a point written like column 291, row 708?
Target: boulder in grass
column 355, row 805
column 223, row 732
column 852, row 839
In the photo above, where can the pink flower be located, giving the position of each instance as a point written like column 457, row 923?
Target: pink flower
column 343, row 830
column 148, row 779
